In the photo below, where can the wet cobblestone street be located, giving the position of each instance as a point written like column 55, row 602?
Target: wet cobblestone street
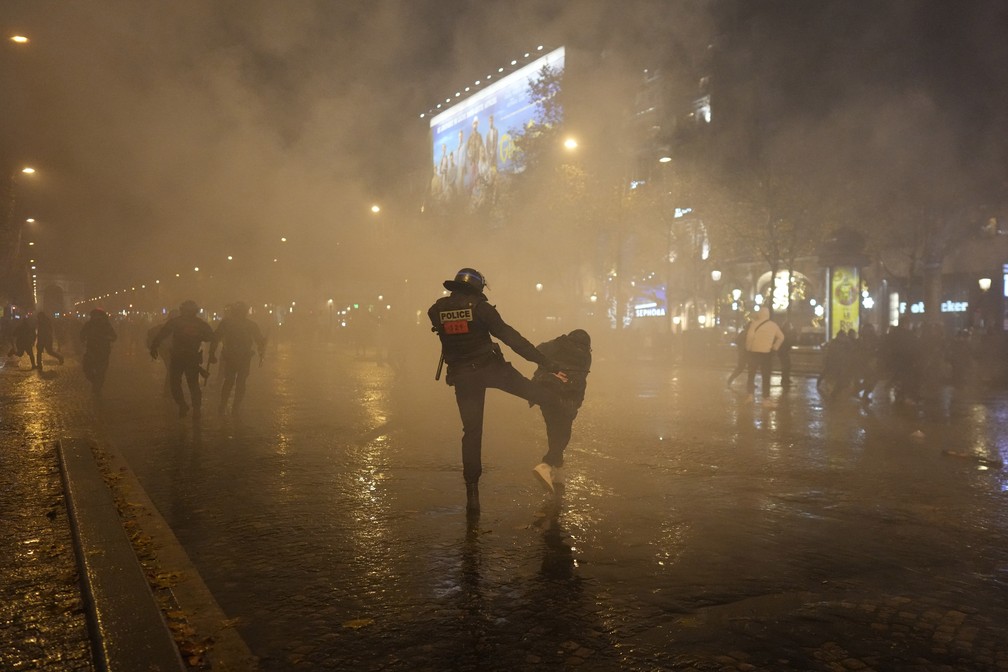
column 697, row 531
column 42, row 623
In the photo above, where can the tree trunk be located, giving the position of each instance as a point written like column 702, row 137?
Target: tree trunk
column 932, row 293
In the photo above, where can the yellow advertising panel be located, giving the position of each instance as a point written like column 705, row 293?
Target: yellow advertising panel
column 845, row 285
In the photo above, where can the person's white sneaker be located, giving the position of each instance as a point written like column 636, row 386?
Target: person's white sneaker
column 544, row 473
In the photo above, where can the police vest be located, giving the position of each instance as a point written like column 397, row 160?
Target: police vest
column 464, row 337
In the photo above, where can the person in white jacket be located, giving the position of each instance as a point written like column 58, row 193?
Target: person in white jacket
column 763, row 338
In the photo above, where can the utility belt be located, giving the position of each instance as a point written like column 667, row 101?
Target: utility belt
column 493, row 356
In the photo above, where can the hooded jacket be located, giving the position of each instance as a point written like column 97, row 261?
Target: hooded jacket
column 763, row 335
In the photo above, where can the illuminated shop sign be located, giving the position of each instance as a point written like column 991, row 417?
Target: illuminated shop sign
column 917, row 308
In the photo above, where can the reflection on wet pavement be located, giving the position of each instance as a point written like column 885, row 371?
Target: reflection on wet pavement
column 696, row 528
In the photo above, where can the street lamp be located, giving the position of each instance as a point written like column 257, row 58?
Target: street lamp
column 19, row 39
column 985, row 284
column 715, row 276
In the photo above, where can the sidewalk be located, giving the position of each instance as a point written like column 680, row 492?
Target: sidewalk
column 72, row 587
column 42, row 613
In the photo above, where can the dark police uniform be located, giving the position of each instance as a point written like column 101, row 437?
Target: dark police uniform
column 187, row 332
column 465, row 321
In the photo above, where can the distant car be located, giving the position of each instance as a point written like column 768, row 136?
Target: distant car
column 810, row 338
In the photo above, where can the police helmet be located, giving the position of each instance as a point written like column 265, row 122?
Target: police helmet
column 467, row 280
column 189, row 307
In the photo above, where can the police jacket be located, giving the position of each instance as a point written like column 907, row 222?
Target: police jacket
column 187, row 333
column 465, row 322
column 240, row 336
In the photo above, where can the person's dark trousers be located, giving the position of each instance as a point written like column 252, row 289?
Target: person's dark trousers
column 191, row 373
column 470, row 393
column 762, row 362
column 784, row 354
column 740, row 366
column 236, row 372
column 558, row 435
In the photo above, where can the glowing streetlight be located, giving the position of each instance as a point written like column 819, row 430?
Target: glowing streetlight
column 664, row 159
column 985, row 284
column 19, row 39
column 28, row 170
column 715, row 275
column 570, row 144
column 375, row 208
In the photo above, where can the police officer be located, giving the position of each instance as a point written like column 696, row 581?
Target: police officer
column 187, row 332
column 241, row 337
column 465, row 321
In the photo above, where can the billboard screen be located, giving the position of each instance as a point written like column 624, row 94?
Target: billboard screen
column 472, row 141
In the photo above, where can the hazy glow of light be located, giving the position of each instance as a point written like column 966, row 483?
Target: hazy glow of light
column 196, row 268
column 283, row 239
column 664, row 159
column 28, row 170
column 230, row 258
column 570, row 143
column 30, row 220
column 375, row 209
column 20, row 39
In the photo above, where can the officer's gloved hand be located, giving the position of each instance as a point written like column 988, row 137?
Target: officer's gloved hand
column 555, row 369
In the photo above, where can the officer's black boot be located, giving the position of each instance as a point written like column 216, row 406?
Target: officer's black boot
column 472, row 497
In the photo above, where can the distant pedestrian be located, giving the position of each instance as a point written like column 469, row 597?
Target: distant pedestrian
column 187, row 332
column 465, row 321
column 45, row 333
column 784, row 353
column 24, row 339
column 164, row 351
column 241, row 338
column 741, row 356
column 97, row 335
column 572, row 352
column 763, row 338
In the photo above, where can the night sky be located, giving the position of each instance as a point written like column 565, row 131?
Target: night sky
column 168, row 134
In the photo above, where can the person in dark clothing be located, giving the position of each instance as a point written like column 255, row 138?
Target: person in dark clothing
column 784, row 353
column 241, row 337
column 741, row 356
column 572, row 352
column 97, row 335
column 24, row 339
column 464, row 321
column 45, row 333
column 187, row 332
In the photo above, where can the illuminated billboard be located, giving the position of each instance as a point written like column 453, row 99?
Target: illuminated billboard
column 845, row 285
column 472, row 141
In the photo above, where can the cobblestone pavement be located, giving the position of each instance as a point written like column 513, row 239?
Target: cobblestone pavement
column 697, row 531
column 42, row 622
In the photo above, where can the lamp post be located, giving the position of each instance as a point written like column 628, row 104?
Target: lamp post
column 715, row 276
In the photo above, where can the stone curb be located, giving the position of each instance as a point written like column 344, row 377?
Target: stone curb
column 127, row 628
column 228, row 652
